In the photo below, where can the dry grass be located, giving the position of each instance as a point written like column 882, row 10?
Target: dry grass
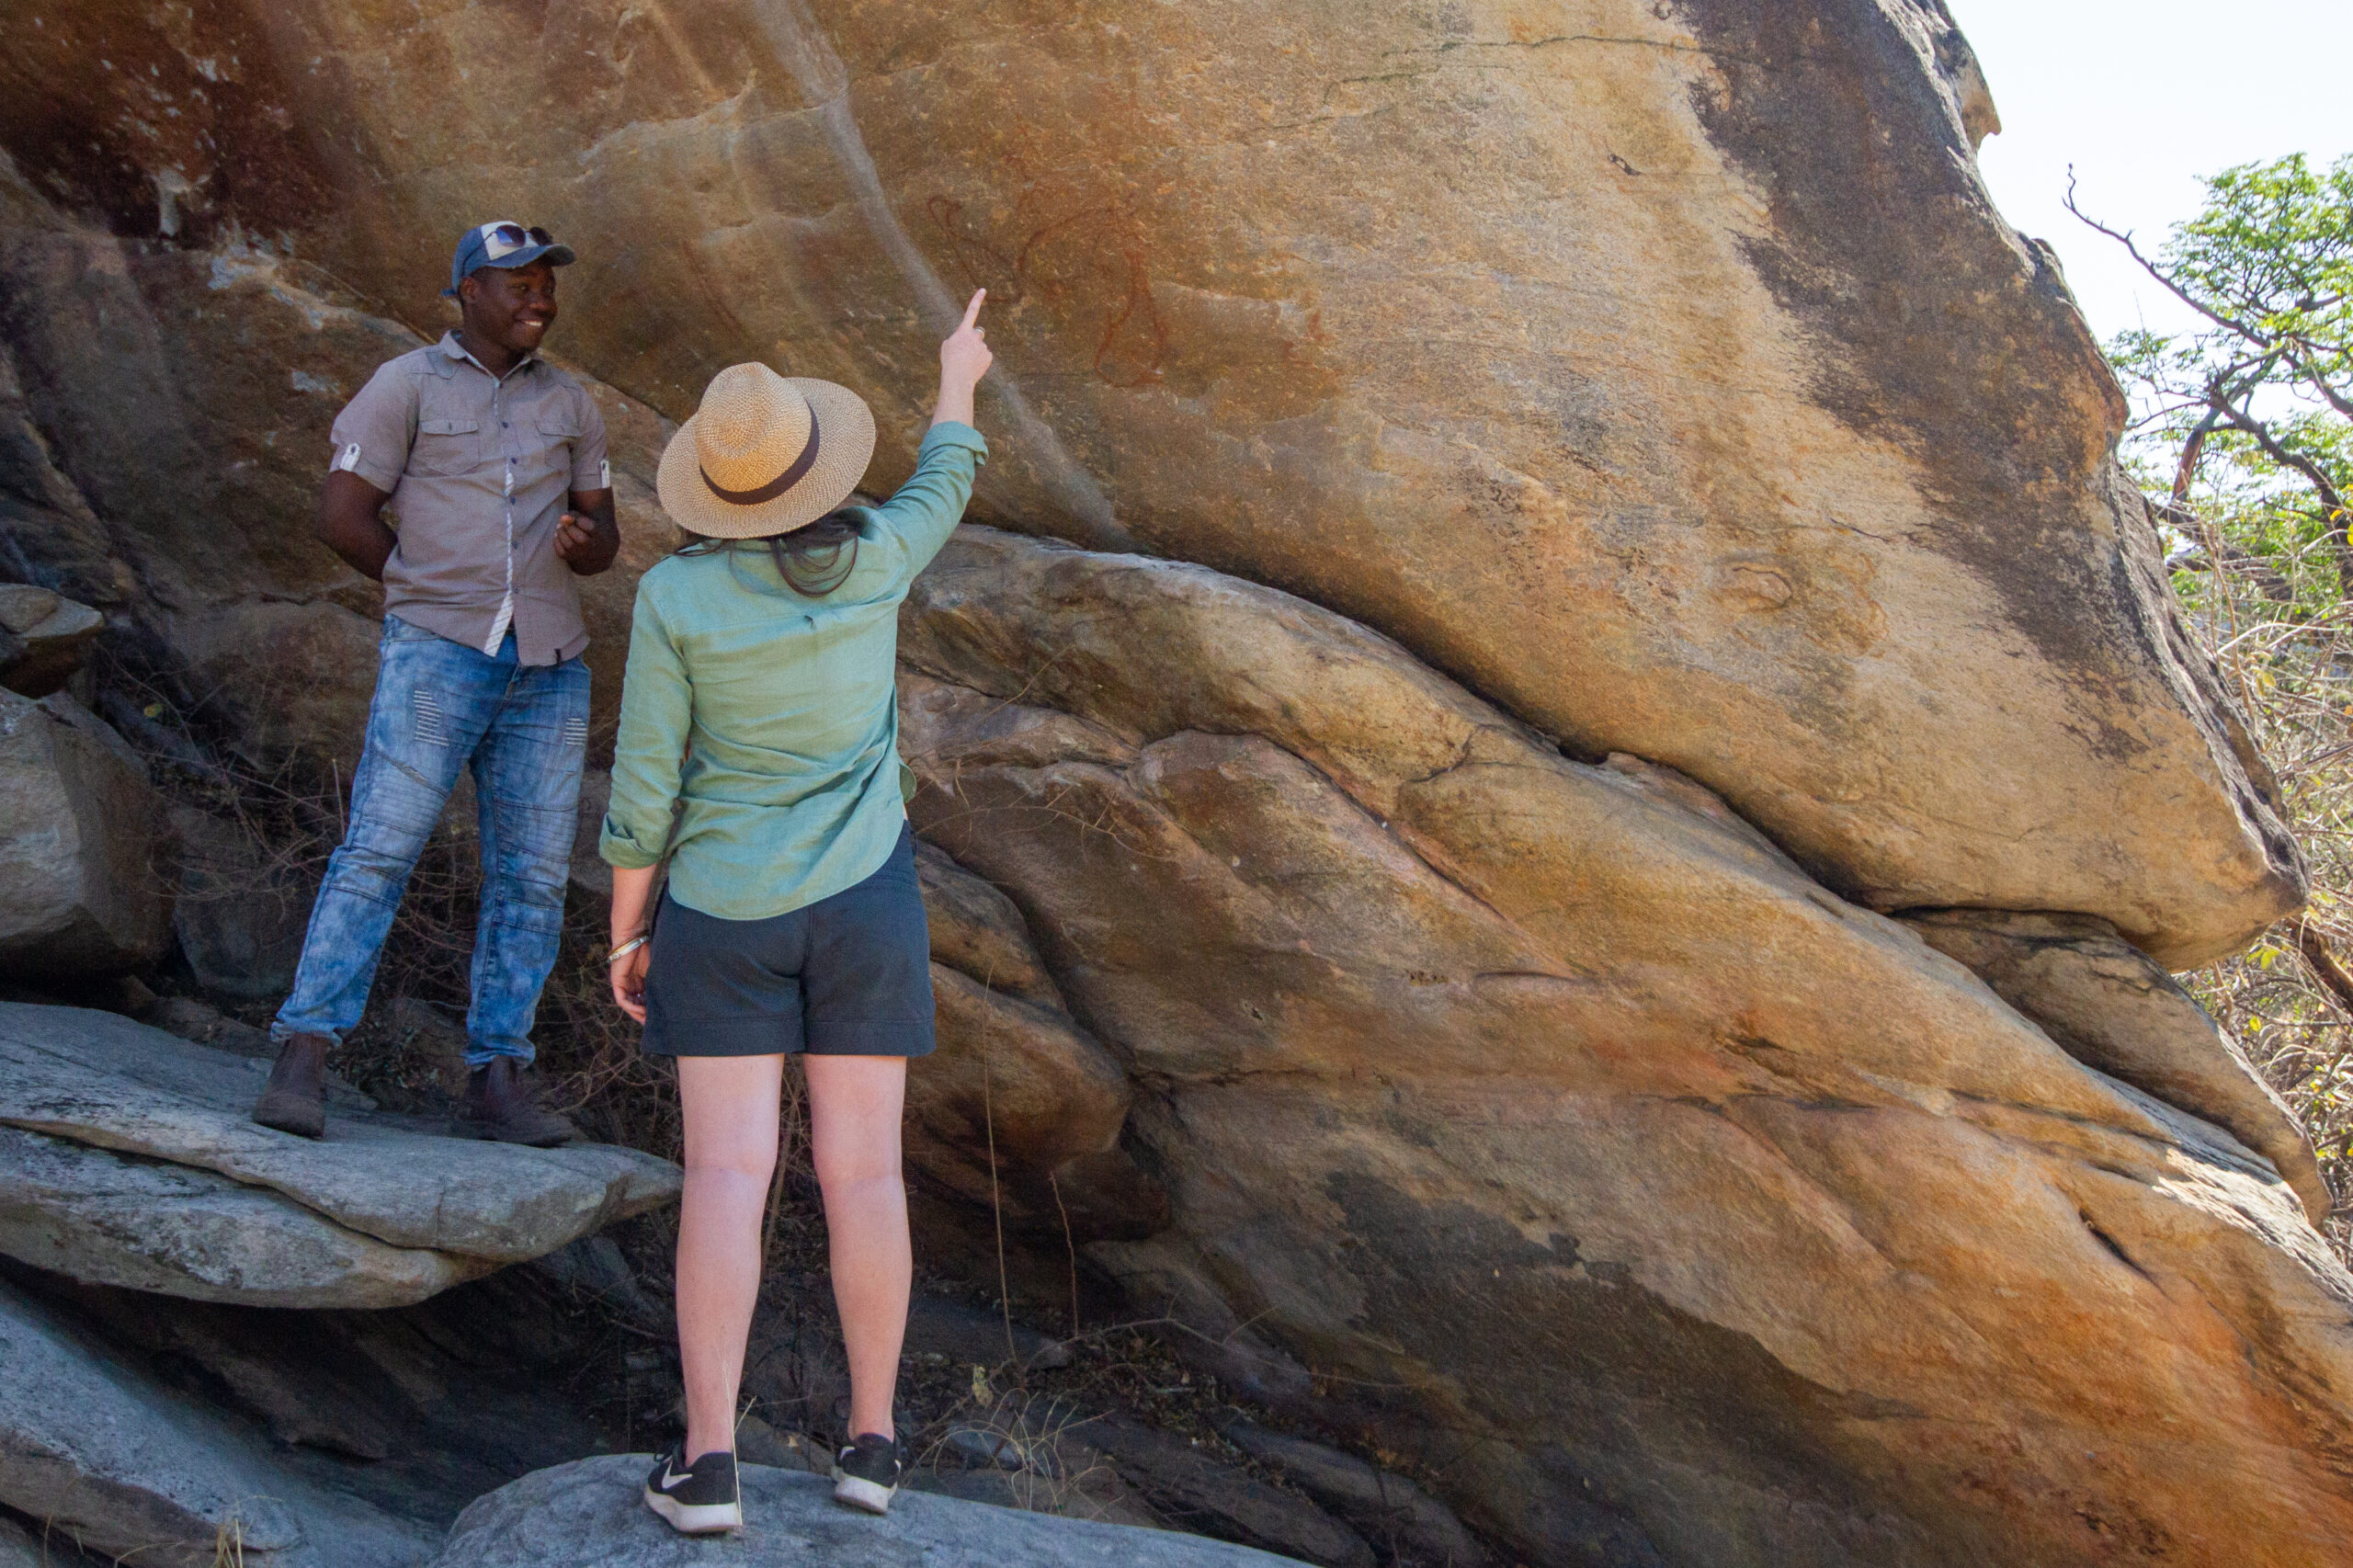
column 2280, row 637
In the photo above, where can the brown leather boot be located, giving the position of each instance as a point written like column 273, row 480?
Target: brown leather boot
column 501, row 1104
column 295, row 1098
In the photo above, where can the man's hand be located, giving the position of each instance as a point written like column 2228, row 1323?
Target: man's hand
column 587, row 537
column 576, row 538
column 964, row 358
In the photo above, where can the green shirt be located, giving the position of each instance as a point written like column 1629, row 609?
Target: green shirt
column 773, row 719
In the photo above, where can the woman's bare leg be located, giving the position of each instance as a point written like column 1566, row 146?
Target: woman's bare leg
column 731, row 1106
column 854, row 1104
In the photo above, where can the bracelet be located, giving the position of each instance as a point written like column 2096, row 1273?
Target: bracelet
column 625, row 950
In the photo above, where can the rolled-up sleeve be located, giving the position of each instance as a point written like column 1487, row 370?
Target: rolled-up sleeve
column 657, row 705
column 374, row 432
column 591, row 470
column 923, row 512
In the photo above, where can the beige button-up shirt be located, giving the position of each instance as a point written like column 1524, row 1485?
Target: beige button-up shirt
column 479, row 468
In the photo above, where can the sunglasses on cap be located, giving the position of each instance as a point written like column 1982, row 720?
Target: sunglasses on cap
column 505, row 238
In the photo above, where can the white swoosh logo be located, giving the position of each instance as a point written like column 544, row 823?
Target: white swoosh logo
column 670, row 1478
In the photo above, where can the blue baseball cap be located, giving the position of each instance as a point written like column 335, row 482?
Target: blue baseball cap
column 503, row 244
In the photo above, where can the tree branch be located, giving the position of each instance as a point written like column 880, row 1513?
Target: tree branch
column 2186, row 472
column 2153, row 270
column 2318, row 382
column 2337, row 518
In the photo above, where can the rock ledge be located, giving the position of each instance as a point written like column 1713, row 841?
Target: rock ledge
column 589, row 1512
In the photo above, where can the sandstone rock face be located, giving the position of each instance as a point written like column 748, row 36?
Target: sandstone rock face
column 382, row 1212
column 1020, row 1110
column 1688, row 1212
column 81, row 890
column 976, row 930
column 589, row 1512
column 1667, row 376
column 2108, row 1006
column 135, row 1471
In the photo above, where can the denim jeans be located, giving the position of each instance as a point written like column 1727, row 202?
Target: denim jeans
column 440, row 706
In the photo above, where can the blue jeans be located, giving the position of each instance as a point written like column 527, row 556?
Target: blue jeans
column 440, row 705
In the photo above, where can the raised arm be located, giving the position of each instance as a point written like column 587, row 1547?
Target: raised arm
column 924, row 511
column 964, row 358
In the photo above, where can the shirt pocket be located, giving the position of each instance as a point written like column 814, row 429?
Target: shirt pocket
column 551, row 455
column 446, row 445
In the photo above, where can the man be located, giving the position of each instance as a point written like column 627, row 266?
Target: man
column 493, row 461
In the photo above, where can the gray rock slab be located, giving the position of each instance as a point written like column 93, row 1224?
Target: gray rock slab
column 589, row 1512
column 110, row 1218
column 102, row 1080
column 136, row 1471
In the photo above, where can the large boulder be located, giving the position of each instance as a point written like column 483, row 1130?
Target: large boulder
column 589, row 1512
column 105, row 1456
column 1666, row 1205
column 1663, row 371
column 382, row 1211
column 81, row 888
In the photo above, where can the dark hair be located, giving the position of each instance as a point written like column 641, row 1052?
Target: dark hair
column 811, row 560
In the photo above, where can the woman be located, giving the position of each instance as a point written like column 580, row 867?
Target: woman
column 760, row 700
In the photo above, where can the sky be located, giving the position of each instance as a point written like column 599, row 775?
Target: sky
column 2144, row 96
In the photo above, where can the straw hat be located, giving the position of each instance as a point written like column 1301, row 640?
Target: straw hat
column 765, row 454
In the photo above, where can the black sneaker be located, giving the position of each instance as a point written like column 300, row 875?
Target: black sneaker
column 866, row 1472
column 701, row 1499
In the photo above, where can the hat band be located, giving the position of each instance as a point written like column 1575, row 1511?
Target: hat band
column 774, row 488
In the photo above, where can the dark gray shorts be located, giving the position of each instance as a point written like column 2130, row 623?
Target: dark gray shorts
column 848, row 975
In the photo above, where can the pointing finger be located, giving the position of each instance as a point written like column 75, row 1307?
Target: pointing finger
column 972, row 311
